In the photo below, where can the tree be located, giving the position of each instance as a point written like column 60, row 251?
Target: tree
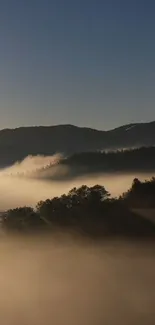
column 21, row 219
column 89, row 210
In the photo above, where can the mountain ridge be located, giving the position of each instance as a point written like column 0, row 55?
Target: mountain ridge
column 16, row 144
column 76, row 126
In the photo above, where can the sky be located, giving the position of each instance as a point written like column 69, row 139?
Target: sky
column 82, row 62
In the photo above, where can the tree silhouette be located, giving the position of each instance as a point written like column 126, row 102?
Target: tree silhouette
column 88, row 210
column 21, row 219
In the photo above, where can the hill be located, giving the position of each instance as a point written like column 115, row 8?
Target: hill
column 16, row 144
column 131, row 160
column 88, row 211
column 135, row 160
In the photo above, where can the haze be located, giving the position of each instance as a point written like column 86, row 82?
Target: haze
column 64, row 281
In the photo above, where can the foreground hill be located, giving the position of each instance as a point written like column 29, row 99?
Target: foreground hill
column 16, row 144
column 89, row 211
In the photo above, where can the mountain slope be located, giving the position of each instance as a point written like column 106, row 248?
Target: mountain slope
column 15, row 144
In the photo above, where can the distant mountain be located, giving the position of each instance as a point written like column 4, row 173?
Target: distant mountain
column 16, row 144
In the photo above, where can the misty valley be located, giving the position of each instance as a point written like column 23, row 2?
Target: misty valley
column 46, row 192
column 77, row 232
column 77, row 162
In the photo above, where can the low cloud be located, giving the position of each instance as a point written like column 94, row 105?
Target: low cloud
column 31, row 180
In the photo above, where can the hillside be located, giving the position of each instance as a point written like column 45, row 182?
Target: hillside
column 16, row 144
column 89, row 211
column 138, row 159
column 61, row 168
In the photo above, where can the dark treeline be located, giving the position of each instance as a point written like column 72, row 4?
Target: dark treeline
column 121, row 160
column 131, row 160
column 90, row 211
column 141, row 195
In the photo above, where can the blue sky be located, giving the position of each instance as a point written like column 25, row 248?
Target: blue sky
column 89, row 63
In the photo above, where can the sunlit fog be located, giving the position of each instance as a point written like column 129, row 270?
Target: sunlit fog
column 63, row 281
column 19, row 188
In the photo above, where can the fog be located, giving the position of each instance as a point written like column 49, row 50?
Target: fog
column 67, row 280
column 17, row 190
column 64, row 281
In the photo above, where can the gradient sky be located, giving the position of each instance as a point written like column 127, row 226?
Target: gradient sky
column 89, row 63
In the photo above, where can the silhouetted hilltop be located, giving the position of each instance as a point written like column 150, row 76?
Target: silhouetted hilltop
column 16, row 144
column 89, row 211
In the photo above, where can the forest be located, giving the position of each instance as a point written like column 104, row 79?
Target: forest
column 136, row 159
column 89, row 211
